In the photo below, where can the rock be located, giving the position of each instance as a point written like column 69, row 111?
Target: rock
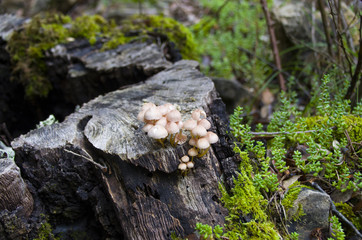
column 316, row 206
column 99, row 167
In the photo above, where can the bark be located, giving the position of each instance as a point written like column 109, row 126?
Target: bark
column 98, row 166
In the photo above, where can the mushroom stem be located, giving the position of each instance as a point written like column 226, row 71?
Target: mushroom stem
column 161, row 141
column 203, row 152
column 172, row 139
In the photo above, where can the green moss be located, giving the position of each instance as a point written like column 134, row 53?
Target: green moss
column 245, row 199
column 157, row 24
column 289, row 199
column 347, row 211
column 45, row 231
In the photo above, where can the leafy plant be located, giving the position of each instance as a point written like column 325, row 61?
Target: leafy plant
column 337, row 230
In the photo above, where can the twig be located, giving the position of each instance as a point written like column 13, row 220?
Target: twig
column 358, row 67
column 274, row 44
column 325, row 26
column 340, row 37
column 89, row 158
column 336, row 212
column 278, row 133
column 349, row 141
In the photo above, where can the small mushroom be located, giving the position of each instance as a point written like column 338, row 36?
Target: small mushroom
column 204, row 145
column 147, row 127
column 174, row 116
column 172, row 129
column 147, row 106
column 159, row 133
column 192, row 142
column 182, row 166
column 212, row 137
column 197, row 114
column 152, row 114
column 205, row 123
column 192, row 153
column 185, row 159
column 166, row 108
column 190, row 165
column 199, row 131
column 190, row 124
column 162, row 121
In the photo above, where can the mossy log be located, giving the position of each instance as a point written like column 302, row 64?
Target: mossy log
column 98, row 167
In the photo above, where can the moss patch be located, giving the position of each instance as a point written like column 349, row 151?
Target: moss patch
column 289, row 199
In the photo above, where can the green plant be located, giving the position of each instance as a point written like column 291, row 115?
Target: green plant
column 230, row 36
column 45, row 231
column 337, row 230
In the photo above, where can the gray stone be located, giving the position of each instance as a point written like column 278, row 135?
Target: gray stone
column 317, row 207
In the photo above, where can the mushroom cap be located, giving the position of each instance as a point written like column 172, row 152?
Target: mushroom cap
column 182, row 166
column 199, row 131
column 190, row 165
column 141, row 115
column 185, row 159
column 166, row 108
column 157, row 132
column 147, row 127
column 180, row 124
column 197, row 114
column 162, row 122
column 206, row 124
column 202, row 143
column 172, row 128
column 192, row 152
column 147, row 106
column 174, row 116
column 152, row 114
column 180, row 138
column 212, row 137
column 190, row 124
column 192, row 142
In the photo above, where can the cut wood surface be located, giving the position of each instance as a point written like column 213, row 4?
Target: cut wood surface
column 98, row 165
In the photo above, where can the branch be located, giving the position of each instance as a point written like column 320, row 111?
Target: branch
column 325, row 26
column 358, row 67
column 274, row 45
column 278, row 133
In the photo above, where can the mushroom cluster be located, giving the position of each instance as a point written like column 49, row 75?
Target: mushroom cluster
column 161, row 122
column 185, row 163
column 200, row 137
column 165, row 121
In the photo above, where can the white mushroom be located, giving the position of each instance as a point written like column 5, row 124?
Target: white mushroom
column 182, row 166
column 190, row 165
column 162, row 121
column 173, row 116
column 202, row 143
column 205, row 123
column 199, row 131
column 192, row 153
column 147, row 106
column 180, row 138
column 192, row 142
column 147, row 127
column 152, row 114
column 190, row 124
column 185, row 159
column 212, row 137
column 172, row 128
column 157, row 132
column 197, row 114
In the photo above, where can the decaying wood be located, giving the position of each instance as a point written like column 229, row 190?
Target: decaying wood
column 13, row 190
column 141, row 195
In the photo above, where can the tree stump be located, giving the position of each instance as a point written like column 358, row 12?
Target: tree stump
column 98, row 167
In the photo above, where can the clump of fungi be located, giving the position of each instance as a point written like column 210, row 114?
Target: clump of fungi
column 165, row 121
